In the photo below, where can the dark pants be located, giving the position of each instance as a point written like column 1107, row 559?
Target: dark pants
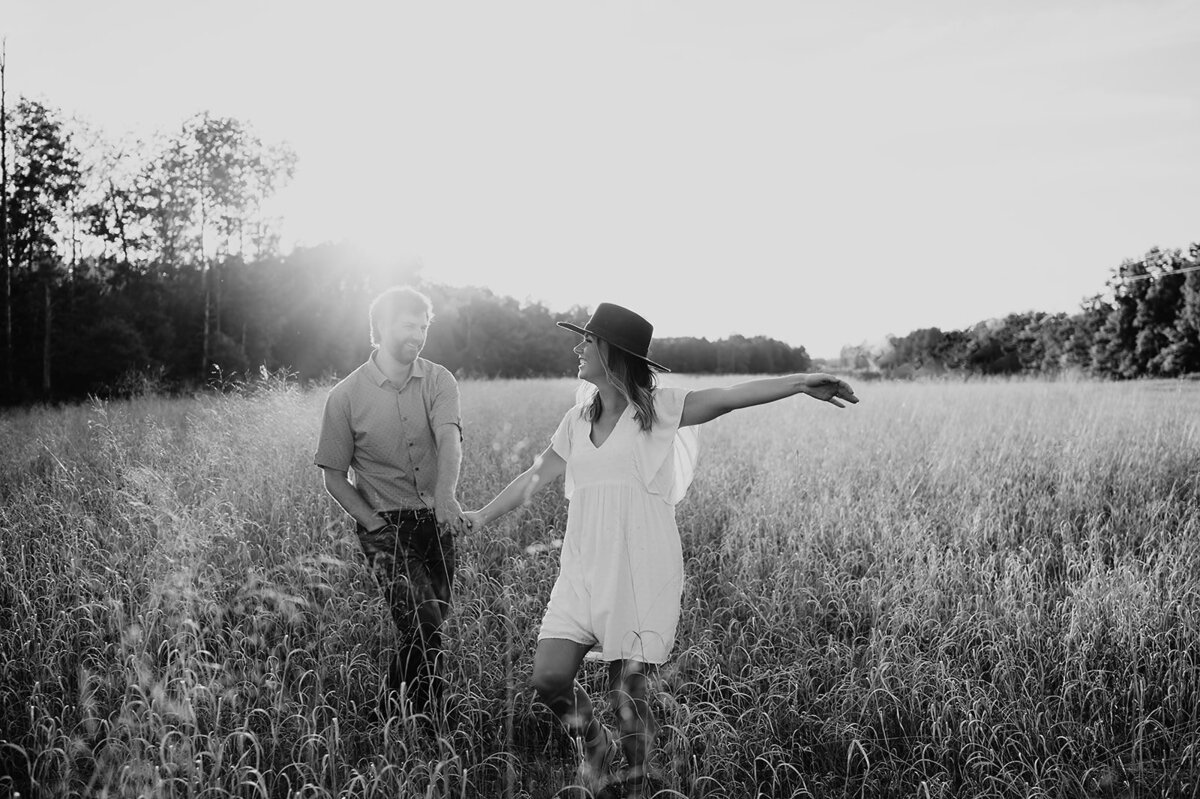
column 414, row 564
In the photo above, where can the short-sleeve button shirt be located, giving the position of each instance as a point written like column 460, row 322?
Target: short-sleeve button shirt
column 386, row 433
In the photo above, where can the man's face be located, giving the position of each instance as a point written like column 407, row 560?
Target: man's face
column 403, row 336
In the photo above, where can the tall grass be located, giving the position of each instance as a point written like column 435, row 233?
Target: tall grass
column 985, row 589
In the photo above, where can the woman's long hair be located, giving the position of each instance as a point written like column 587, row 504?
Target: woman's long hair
column 633, row 378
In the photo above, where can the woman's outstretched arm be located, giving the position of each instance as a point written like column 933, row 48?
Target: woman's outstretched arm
column 706, row 404
column 546, row 468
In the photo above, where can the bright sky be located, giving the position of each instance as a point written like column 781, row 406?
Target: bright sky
column 825, row 173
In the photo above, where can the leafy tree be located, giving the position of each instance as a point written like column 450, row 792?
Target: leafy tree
column 229, row 172
column 1157, row 308
column 191, row 203
column 1080, row 334
column 1115, row 345
column 1181, row 355
column 120, row 201
column 5, row 262
column 45, row 175
column 167, row 205
column 736, row 354
column 44, row 180
column 992, row 347
column 686, row 354
column 925, row 350
column 93, row 357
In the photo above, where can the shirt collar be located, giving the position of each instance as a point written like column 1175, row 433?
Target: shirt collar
column 379, row 378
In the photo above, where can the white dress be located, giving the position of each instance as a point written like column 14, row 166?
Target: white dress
column 621, row 573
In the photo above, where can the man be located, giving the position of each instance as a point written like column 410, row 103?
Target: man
column 395, row 421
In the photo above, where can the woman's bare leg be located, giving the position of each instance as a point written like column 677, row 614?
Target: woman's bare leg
column 555, row 664
column 630, row 684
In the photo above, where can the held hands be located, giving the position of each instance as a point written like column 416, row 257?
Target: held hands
column 450, row 515
column 474, row 519
column 828, row 388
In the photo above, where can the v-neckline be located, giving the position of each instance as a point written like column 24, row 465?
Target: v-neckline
column 592, row 430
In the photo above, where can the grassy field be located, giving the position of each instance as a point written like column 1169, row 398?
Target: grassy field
column 983, row 589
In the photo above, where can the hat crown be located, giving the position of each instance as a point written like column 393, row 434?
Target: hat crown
column 621, row 328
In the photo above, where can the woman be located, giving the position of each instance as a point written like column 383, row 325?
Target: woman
column 627, row 455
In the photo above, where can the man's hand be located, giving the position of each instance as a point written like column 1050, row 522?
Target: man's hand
column 828, row 388
column 385, row 529
column 450, row 515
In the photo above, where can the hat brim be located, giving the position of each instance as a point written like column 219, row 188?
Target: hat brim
column 585, row 332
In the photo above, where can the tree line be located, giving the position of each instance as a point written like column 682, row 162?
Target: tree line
column 1145, row 324
column 138, row 262
column 152, row 261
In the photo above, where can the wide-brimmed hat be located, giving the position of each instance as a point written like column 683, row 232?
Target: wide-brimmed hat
column 621, row 328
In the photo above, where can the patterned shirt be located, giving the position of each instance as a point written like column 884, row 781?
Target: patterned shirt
column 387, row 433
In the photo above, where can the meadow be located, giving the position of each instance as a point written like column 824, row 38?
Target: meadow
column 952, row 589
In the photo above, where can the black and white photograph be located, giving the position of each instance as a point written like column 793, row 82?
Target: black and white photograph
column 600, row 400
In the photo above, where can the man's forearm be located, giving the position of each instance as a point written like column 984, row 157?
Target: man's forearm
column 347, row 496
column 449, row 467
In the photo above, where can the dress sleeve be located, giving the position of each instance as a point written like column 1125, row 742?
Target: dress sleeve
column 561, row 442
column 666, row 456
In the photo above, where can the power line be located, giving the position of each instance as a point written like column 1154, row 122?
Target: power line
column 1146, row 276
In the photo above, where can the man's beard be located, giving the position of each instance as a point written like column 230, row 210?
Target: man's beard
column 400, row 352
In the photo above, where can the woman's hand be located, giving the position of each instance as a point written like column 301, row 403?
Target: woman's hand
column 828, row 388
column 449, row 514
column 475, row 520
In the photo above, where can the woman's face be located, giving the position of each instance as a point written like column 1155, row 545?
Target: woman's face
column 591, row 365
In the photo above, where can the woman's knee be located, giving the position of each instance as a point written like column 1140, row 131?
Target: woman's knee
column 554, row 666
column 551, row 683
column 630, row 679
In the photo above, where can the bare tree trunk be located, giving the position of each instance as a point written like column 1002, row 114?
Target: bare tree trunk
column 74, row 259
column 205, row 276
column 120, row 217
column 207, row 304
column 8, row 339
column 46, row 338
column 216, row 295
